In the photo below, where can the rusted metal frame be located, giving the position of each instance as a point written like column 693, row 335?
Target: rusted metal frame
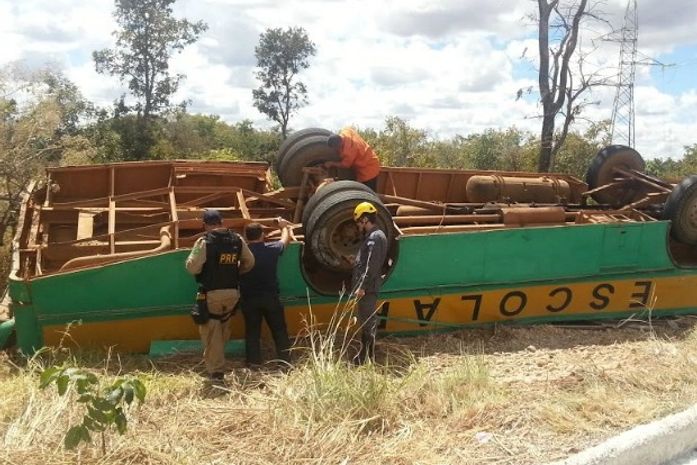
column 47, row 200
column 653, row 179
column 206, row 198
column 174, row 217
column 152, row 203
column 21, row 225
column 301, row 196
column 285, row 193
column 643, row 179
column 650, row 198
column 265, row 198
column 450, row 186
column 35, row 225
column 111, row 227
column 418, row 184
column 445, row 219
column 195, row 223
column 116, row 234
column 392, row 184
column 103, row 209
column 117, row 198
column 243, row 205
column 99, row 259
column 449, row 228
column 468, row 227
column 219, row 171
column 602, row 188
column 131, row 164
column 438, row 207
column 33, row 236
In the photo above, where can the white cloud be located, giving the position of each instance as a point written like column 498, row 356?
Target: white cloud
column 449, row 66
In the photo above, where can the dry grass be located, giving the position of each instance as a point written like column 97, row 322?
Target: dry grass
column 511, row 396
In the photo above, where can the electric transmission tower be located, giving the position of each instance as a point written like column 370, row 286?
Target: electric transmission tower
column 622, row 128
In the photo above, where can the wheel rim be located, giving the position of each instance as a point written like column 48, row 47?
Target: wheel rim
column 337, row 237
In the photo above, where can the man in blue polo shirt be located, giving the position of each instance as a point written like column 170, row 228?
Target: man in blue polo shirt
column 260, row 294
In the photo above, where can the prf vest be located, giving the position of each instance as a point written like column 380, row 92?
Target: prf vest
column 221, row 270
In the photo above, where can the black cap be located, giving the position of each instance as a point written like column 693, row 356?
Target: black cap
column 212, row 217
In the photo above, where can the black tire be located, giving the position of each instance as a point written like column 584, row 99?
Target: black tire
column 681, row 210
column 293, row 139
column 601, row 169
column 331, row 231
column 328, row 190
column 310, row 151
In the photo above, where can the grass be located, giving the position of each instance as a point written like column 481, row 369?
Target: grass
column 512, row 396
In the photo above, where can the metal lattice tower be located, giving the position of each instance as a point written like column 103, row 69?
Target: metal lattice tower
column 622, row 129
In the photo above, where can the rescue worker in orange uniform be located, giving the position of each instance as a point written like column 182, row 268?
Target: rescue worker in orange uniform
column 356, row 154
column 217, row 260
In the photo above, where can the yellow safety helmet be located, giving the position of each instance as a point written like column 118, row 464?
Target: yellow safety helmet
column 363, row 208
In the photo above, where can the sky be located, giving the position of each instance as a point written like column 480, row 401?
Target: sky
column 447, row 66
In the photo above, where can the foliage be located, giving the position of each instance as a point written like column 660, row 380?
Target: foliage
column 104, row 408
column 148, row 37
column 398, row 144
column 281, row 56
column 499, row 150
column 39, row 116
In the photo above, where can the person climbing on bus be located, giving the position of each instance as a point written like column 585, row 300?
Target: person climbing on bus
column 355, row 153
column 217, row 260
column 366, row 279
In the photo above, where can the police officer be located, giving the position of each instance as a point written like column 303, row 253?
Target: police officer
column 367, row 276
column 216, row 260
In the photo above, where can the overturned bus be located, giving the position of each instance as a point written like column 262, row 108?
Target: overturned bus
column 99, row 252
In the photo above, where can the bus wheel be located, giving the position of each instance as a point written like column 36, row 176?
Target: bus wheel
column 602, row 172
column 681, row 210
column 293, row 139
column 332, row 235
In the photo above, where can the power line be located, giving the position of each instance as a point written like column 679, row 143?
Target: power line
column 622, row 126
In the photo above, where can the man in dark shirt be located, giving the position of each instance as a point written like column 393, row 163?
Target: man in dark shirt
column 367, row 276
column 260, row 294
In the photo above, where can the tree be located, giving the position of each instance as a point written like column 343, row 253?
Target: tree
column 36, row 113
column 562, row 80
column 149, row 35
column 399, row 144
column 281, row 55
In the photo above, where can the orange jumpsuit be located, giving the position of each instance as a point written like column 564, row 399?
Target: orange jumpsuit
column 356, row 154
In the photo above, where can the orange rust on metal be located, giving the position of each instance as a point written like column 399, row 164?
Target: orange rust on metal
column 243, row 205
column 408, row 210
column 640, row 177
column 112, row 225
column 301, row 195
column 650, row 199
column 174, row 217
column 91, row 260
column 496, row 188
column 449, row 186
column 414, row 203
column 445, row 219
column 87, row 216
column 525, row 216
